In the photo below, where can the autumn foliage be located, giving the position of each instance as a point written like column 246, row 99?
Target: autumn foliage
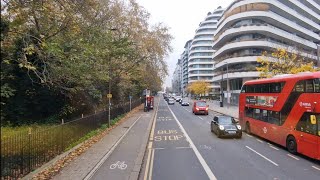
column 199, row 87
column 283, row 62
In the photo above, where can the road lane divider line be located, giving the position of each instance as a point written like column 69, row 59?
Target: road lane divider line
column 200, row 117
column 262, row 156
column 274, row 147
column 151, row 164
column 183, row 147
column 195, row 150
column 248, row 135
column 105, row 157
column 293, row 157
column 159, row 148
column 316, row 168
column 147, row 165
column 259, row 140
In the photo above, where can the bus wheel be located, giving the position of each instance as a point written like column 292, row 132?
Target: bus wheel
column 291, row 145
column 248, row 130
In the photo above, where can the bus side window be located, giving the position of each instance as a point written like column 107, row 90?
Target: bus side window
column 305, row 125
column 318, row 122
column 249, row 112
column 299, row 87
column 309, row 85
column 274, row 117
column 316, row 85
column 257, row 114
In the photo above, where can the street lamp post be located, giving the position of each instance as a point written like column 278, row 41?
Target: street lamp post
column 221, row 90
column 228, row 101
column 109, row 98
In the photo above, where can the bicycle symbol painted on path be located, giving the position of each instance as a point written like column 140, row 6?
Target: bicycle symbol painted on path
column 121, row 165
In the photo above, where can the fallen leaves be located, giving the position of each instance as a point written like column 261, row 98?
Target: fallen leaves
column 63, row 162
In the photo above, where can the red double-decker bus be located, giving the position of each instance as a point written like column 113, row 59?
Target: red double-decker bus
column 284, row 110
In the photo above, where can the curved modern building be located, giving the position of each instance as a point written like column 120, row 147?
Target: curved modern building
column 250, row 27
column 200, row 62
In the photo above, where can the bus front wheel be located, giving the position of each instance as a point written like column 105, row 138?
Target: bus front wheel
column 292, row 145
column 248, row 130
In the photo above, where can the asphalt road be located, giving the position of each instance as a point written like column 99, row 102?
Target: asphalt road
column 182, row 146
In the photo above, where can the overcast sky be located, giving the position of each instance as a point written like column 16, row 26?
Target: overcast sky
column 183, row 18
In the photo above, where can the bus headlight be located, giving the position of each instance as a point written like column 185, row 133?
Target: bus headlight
column 238, row 126
column 221, row 127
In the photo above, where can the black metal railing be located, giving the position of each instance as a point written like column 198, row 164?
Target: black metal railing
column 24, row 152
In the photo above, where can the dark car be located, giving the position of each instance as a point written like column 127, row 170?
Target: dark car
column 184, row 103
column 226, row 126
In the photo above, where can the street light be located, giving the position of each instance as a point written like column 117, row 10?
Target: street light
column 228, row 101
column 109, row 96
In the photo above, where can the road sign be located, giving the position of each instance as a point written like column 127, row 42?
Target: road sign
column 130, row 97
column 109, row 96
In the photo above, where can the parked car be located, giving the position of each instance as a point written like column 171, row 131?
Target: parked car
column 226, row 126
column 171, row 101
column 200, row 107
column 184, row 103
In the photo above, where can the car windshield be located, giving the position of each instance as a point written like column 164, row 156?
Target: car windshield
column 225, row 120
column 201, row 104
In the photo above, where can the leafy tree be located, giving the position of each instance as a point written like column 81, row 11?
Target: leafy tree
column 283, row 62
column 59, row 56
column 199, row 87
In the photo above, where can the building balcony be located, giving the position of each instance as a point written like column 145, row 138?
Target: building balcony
column 264, row 29
column 270, row 18
column 266, row 44
column 235, row 75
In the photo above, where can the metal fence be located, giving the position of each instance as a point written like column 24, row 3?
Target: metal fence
column 25, row 152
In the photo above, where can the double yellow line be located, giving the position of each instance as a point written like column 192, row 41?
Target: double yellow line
column 150, row 159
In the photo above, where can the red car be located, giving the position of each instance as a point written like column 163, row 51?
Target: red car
column 200, row 107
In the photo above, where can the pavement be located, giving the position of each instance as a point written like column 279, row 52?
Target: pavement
column 228, row 109
column 118, row 155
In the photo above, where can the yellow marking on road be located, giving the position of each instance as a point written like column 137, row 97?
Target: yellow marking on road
column 293, row 156
column 150, row 145
column 151, row 164
column 147, row 166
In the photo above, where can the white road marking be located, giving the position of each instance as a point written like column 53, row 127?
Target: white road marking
column 259, row 140
column 200, row 117
column 293, row 156
column 105, row 157
column 158, row 148
column 248, row 135
column 316, row 168
column 262, row 156
column 274, row 147
column 200, row 158
column 183, row 147
column 208, row 122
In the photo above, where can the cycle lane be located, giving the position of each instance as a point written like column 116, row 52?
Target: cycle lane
column 170, row 154
column 121, row 163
